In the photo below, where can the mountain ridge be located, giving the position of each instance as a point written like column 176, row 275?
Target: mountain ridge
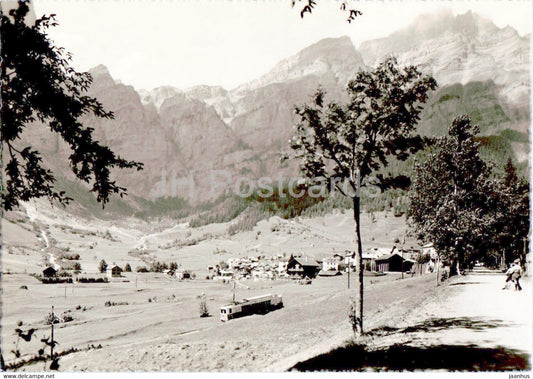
column 185, row 133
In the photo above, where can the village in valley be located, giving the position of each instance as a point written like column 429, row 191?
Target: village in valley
column 346, row 201
column 55, row 255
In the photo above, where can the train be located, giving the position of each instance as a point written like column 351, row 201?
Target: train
column 254, row 305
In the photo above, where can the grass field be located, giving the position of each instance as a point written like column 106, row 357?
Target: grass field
column 157, row 326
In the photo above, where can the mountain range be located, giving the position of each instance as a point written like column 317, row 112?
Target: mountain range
column 481, row 69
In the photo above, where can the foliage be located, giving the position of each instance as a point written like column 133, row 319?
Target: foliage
column 38, row 84
column 127, row 267
column 55, row 280
column 453, row 196
column 511, row 212
column 109, row 303
column 247, row 220
column 102, row 266
column 423, row 258
column 70, row 257
column 343, row 145
column 77, row 267
column 204, row 312
column 92, row 280
column 310, row 5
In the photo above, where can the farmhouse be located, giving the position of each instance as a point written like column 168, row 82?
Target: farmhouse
column 282, row 265
column 393, row 262
column 49, row 272
column 180, row 275
column 331, row 264
column 113, row 271
column 302, row 267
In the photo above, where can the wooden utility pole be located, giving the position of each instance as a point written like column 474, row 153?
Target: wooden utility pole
column 348, row 269
column 52, row 335
column 403, row 245
column 437, row 263
column 233, row 297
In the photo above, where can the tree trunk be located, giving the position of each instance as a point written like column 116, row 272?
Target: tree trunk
column 358, row 264
column 437, row 264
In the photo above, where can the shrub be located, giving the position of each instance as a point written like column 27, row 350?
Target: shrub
column 70, row 257
column 423, row 258
column 444, row 275
column 64, row 274
column 92, row 280
column 102, row 266
column 158, row 266
column 127, row 268
column 141, row 269
column 113, row 303
column 204, row 312
column 55, row 280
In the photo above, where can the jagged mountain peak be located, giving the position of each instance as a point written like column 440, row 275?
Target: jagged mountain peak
column 459, row 49
column 329, row 48
column 158, row 95
column 101, row 76
column 206, row 92
column 335, row 56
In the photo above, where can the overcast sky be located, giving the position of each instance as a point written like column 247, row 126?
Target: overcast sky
column 149, row 43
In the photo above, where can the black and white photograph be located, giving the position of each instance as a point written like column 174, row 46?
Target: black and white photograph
column 274, row 186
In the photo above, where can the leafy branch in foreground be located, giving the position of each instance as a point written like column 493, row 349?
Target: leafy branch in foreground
column 311, row 4
column 39, row 85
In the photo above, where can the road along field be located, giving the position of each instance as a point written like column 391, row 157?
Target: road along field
column 471, row 324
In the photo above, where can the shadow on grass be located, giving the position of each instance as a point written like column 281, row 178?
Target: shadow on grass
column 410, row 358
column 437, row 324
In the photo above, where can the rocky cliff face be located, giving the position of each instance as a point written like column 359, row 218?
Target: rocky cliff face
column 460, row 49
column 481, row 70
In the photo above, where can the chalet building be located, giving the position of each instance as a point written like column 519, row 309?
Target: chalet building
column 114, row 271
column 369, row 261
column 181, row 275
column 49, row 272
column 330, row 264
column 282, row 265
column 393, row 263
column 303, row 267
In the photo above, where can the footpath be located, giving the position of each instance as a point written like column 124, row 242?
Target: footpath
column 469, row 325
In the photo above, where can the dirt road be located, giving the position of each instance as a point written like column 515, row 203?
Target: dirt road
column 471, row 325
